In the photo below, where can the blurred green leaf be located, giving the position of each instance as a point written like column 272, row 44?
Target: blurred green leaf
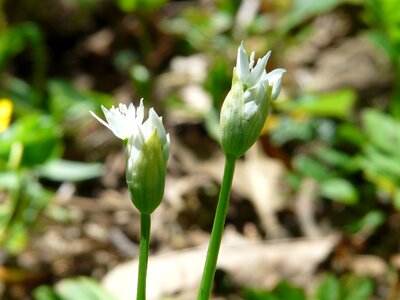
column 17, row 237
column 328, row 289
column 132, row 5
column 252, row 294
column 339, row 190
column 39, row 136
column 385, row 164
column 45, row 292
column 396, row 200
column 356, row 288
column 350, row 134
column 382, row 131
column 67, row 102
column 65, row 170
column 286, row 291
column 337, row 104
column 21, row 94
column 309, row 167
column 9, row 180
column 81, row 288
column 384, row 43
column 21, row 209
column 348, row 287
column 282, row 291
column 304, row 9
column 333, row 157
column 370, row 221
column 288, row 130
column 127, row 5
column 203, row 30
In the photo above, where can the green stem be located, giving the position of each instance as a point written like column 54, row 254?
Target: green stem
column 218, row 228
column 145, row 223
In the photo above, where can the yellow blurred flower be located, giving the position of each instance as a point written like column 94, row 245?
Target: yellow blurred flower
column 6, row 109
column 270, row 124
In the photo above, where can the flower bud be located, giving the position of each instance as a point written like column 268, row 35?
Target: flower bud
column 246, row 106
column 147, row 154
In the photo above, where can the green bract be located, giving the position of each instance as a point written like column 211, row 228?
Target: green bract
column 147, row 154
column 246, row 106
column 146, row 175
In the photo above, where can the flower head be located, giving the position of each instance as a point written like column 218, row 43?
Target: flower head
column 147, row 154
column 246, row 106
column 122, row 121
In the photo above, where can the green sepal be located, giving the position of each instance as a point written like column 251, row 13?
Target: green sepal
column 238, row 131
column 146, row 180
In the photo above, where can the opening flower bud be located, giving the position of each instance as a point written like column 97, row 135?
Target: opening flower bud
column 246, row 106
column 147, row 154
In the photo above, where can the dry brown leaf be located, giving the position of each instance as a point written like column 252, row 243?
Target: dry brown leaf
column 261, row 180
column 260, row 264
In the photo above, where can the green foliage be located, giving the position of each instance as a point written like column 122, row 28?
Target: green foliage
column 82, row 288
column 347, row 287
column 31, row 148
column 201, row 29
column 37, row 148
column 384, row 18
column 69, row 103
column 14, row 40
column 26, row 199
column 328, row 167
column 336, row 104
column 380, row 159
column 330, row 287
column 339, row 189
column 303, row 10
column 282, row 291
column 370, row 221
column 143, row 5
column 64, row 170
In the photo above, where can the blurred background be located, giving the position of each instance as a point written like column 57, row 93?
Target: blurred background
column 315, row 206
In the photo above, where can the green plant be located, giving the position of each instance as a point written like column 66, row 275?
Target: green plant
column 82, row 288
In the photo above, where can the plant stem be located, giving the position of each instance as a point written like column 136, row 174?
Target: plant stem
column 145, row 223
column 218, row 228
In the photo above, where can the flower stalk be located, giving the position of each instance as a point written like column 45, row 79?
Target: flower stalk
column 147, row 152
column 145, row 223
column 243, row 115
column 217, row 230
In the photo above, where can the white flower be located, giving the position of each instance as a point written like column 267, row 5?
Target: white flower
column 256, row 79
column 147, row 153
column 144, row 132
column 122, row 121
column 246, row 106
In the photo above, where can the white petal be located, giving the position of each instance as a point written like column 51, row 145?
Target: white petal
column 166, row 148
column 157, row 124
column 275, row 80
column 251, row 63
column 100, row 120
column 249, row 109
column 140, row 112
column 123, row 109
column 242, row 63
column 131, row 112
column 112, row 122
column 257, row 72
